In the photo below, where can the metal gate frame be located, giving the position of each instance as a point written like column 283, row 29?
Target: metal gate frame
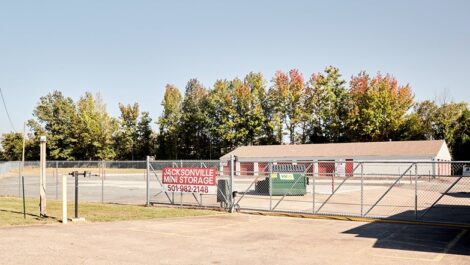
column 235, row 204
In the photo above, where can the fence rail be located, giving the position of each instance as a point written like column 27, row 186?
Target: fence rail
column 402, row 190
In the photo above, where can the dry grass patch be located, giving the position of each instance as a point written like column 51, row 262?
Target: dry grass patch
column 11, row 212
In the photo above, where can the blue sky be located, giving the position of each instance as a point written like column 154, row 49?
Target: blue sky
column 129, row 50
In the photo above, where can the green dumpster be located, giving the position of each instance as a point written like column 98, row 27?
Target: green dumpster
column 285, row 179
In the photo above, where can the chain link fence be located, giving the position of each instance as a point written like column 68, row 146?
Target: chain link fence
column 110, row 181
column 423, row 191
column 401, row 190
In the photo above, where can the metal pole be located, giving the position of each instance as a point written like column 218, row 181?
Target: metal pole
column 23, row 152
column 333, row 178
column 56, row 180
column 232, row 159
column 42, row 178
column 102, row 181
column 416, row 191
column 315, row 172
column 64, row 199
column 20, row 174
column 362, row 189
column 75, row 174
column 24, row 201
column 270, row 170
column 147, row 183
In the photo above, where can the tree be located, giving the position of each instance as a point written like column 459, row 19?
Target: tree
column 56, row 116
column 194, row 128
column 378, row 108
column 169, row 124
column 462, row 138
column 441, row 122
column 2, row 155
column 326, row 108
column 446, row 122
column 95, row 129
column 250, row 98
column 12, row 146
column 145, row 144
column 412, row 128
column 286, row 96
column 126, row 136
column 221, row 112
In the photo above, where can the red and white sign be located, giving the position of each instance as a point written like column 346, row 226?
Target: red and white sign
column 190, row 180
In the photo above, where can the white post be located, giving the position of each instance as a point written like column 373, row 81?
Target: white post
column 42, row 177
column 64, row 199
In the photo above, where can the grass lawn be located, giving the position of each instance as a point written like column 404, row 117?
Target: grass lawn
column 11, row 212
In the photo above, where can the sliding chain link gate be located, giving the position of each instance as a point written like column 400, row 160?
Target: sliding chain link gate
column 399, row 190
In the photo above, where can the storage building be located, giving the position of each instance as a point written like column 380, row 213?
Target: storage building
column 250, row 160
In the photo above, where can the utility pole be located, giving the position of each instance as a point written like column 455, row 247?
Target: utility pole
column 42, row 178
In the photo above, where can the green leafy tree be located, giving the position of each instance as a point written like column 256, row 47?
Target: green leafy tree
column 446, row 121
column 12, row 146
column 326, row 107
column 221, row 112
column 412, row 128
column 241, row 104
column 194, row 129
column 431, row 121
column 95, row 129
column 56, row 117
column 278, row 94
column 145, row 138
column 126, row 136
column 2, row 155
column 235, row 113
column 169, row 124
column 286, row 96
column 250, row 98
column 461, row 149
column 378, row 108
column 426, row 113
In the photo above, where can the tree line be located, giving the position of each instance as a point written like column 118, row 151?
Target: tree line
column 83, row 130
column 207, row 122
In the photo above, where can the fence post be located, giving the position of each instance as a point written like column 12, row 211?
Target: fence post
column 64, row 199
column 147, row 186
column 102, row 181
column 232, row 159
column 270, row 171
column 20, row 173
column 315, row 173
column 56, row 180
column 416, row 191
column 42, row 177
column 362, row 189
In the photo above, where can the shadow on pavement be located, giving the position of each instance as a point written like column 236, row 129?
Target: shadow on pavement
column 456, row 214
column 459, row 194
column 423, row 238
